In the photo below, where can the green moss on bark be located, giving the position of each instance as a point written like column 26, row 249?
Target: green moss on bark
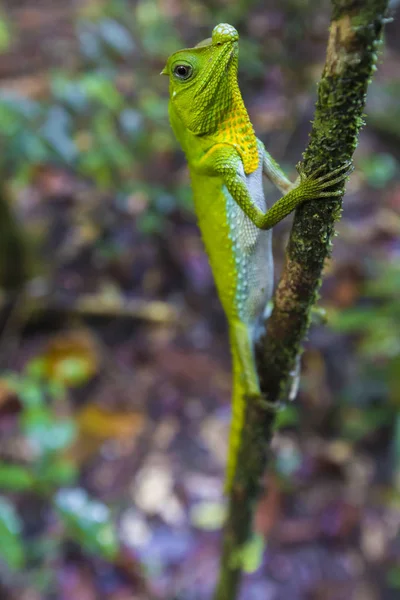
column 351, row 57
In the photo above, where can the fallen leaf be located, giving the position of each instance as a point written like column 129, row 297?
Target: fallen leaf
column 104, row 424
column 71, row 358
column 96, row 425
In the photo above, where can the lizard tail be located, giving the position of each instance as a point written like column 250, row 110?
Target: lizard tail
column 245, row 386
column 237, row 420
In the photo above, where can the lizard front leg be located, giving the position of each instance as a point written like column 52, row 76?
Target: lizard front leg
column 224, row 161
column 273, row 171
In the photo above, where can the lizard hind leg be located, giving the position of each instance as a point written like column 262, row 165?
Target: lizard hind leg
column 245, row 386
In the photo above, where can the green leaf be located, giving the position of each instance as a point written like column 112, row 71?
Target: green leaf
column 73, row 369
column 386, row 283
column 94, row 164
column 154, row 107
column 57, row 133
column 69, row 92
column 209, row 516
column 58, row 473
column 48, row 434
column 252, row 554
column 150, row 222
column 393, row 577
column 352, row 320
column 5, row 36
column 102, row 89
column 14, row 478
column 11, row 545
column 287, row 416
column 131, row 121
column 116, row 36
column 34, row 148
column 19, row 106
column 157, row 35
column 357, row 424
column 379, row 169
column 31, row 393
column 90, row 43
column 88, row 522
column 36, row 368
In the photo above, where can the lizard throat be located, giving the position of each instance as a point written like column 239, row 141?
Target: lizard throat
column 233, row 125
column 236, row 129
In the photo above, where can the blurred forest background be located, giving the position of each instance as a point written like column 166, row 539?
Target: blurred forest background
column 115, row 369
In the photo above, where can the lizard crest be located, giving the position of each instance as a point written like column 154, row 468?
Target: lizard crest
column 206, row 97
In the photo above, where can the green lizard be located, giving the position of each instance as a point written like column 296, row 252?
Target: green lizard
column 226, row 163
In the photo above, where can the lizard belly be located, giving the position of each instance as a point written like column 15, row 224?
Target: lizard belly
column 252, row 249
column 210, row 204
column 239, row 252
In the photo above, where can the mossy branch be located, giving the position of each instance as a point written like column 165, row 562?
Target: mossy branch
column 355, row 35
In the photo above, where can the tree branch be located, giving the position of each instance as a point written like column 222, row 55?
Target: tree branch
column 355, row 34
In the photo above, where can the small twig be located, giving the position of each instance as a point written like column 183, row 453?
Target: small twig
column 154, row 311
column 96, row 305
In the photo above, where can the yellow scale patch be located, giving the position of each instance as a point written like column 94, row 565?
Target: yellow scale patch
column 238, row 131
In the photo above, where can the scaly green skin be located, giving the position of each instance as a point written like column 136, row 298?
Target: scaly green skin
column 226, row 163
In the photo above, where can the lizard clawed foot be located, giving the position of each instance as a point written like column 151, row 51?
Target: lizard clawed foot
column 344, row 170
column 315, row 187
column 347, row 167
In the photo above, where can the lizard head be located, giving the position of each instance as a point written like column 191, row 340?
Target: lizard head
column 203, row 80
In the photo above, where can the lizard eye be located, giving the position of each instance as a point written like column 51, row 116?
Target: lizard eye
column 183, row 71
